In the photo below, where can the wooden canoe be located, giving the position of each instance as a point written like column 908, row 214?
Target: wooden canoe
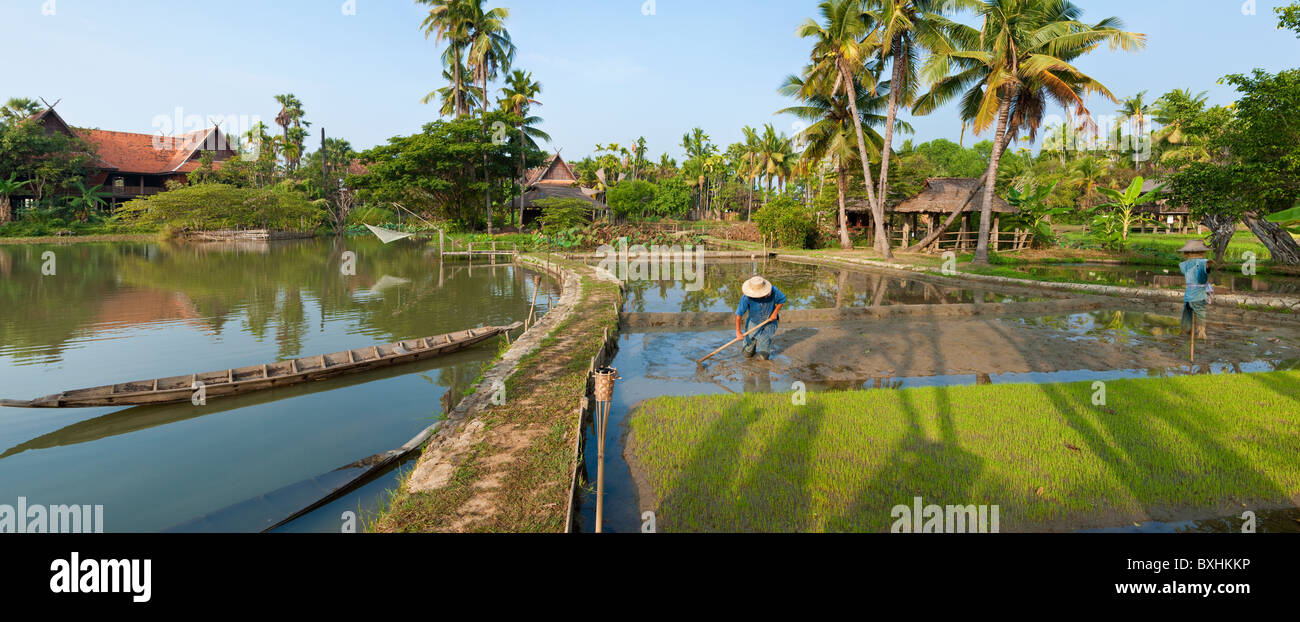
column 241, row 380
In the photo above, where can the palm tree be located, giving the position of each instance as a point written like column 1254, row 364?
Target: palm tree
column 18, row 109
column 697, row 147
column 1011, row 67
column 520, row 93
column 490, row 51
column 1173, row 111
column 748, row 168
column 290, row 120
column 454, row 94
column 1136, row 111
column 446, row 20
column 7, row 188
column 638, row 153
column 843, row 43
column 830, row 134
column 906, row 28
column 1086, row 175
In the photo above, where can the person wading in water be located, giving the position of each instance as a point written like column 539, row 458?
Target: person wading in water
column 1196, row 269
column 761, row 301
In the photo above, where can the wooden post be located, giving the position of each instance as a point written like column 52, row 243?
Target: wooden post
column 997, row 229
column 440, row 246
column 961, row 237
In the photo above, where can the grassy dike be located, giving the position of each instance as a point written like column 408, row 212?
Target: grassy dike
column 513, row 474
column 1161, row 448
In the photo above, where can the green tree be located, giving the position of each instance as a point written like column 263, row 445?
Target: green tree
column 519, row 94
column 1289, row 17
column 295, row 134
column 842, row 44
column 907, row 27
column 1009, row 68
column 672, row 198
column 7, row 188
column 631, row 197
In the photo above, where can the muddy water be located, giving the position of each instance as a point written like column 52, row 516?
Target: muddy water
column 902, row 353
column 1165, row 277
column 117, row 312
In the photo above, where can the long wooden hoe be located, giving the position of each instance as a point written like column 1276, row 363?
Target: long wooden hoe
column 733, row 341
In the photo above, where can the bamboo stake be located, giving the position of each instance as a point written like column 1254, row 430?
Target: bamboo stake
column 537, row 283
column 729, row 343
column 1193, row 337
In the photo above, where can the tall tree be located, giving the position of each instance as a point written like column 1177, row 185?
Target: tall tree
column 519, row 94
column 842, row 44
column 1011, row 67
column 295, row 134
column 1136, row 111
column 907, row 27
column 447, row 21
column 490, row 51
column 830, row 133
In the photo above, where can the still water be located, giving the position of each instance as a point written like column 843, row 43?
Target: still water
column 104, row 313
column 1165, row 277
column 805, row 286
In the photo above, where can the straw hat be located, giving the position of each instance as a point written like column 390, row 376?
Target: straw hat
column 757, row 287
column 1194, row 246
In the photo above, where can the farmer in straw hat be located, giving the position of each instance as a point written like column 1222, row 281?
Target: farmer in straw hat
column 761, row 302
column 1196, row 269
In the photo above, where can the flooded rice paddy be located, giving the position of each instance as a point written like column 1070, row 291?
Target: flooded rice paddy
column 121, row 311
column 908, row 352
column 1165, row 277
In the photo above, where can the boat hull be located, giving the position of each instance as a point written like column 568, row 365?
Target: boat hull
column 239, row 381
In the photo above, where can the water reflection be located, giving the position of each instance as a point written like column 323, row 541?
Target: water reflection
column 806, row 287
column 121, row 311
column 1166, row 277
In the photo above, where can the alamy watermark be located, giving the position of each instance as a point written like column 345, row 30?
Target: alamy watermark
column 38, row 518
column 654, row 263
column 921, row 518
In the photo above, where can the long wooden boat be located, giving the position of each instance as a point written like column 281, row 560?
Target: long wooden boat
column 241, row 380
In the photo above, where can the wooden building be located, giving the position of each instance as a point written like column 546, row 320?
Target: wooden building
column 130, row 165
column 554, row 180
column 919, row 216
column 1167, row 215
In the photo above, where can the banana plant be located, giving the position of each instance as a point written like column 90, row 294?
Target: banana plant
column 1033, row 212
column 8, row 187
column 1287, row 219
column 1122, row 208
column 87, row 203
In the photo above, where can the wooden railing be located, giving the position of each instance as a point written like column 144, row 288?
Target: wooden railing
column 967, row 240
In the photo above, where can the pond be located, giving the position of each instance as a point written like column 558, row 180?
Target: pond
column 1164, row 277
column 105, row 313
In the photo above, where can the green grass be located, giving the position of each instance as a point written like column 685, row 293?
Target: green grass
column 1163, row 448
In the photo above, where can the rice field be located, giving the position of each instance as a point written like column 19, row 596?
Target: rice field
column 1050, row 458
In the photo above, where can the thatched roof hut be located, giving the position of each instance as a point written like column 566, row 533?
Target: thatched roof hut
column 943, row 195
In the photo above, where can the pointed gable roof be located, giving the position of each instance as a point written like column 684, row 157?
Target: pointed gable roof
column 556, row 172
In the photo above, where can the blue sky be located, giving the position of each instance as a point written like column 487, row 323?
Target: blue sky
column 611, row 72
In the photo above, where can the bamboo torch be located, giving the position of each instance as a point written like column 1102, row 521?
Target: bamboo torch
column 605, row 378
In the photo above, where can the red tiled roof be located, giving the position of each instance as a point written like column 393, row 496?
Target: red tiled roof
column 150, row 154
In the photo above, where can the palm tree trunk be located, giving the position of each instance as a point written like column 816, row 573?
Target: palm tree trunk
column 842, row 180
column 522, row 171
column 6, row 210
column 956, row 213
column 749, row 202
column 877, row 209
column 891, row 116
column 487, row 177
column 990, row 184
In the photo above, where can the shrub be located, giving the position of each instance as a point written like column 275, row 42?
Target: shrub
column 788, row 222
column 221, row 206
column 562, row 214
column 632, row 198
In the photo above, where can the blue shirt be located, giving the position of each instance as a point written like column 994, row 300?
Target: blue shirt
column 759, row 309
column 1197, row 273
